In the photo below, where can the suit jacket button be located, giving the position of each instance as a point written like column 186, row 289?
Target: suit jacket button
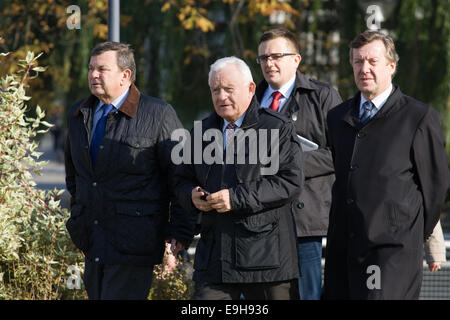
column 350, row 201
column 361, row 135
column 300, row 205
column 353, row 167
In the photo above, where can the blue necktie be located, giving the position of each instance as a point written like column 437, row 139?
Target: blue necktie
column 367, row 113
column 99, row 132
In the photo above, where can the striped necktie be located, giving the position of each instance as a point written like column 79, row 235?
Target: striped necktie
column 368, row 107
column 229, row 131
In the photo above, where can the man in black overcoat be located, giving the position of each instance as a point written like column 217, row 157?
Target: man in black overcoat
column 391, row 181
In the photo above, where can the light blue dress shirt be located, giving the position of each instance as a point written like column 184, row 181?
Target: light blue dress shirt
column 238, row 124
column 285, row 90
column 117, row 103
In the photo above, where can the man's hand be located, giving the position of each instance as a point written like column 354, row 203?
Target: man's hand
column 220, row 200
column 200, row 204
column 434, row 266
column 175, row 246
column 170, row 260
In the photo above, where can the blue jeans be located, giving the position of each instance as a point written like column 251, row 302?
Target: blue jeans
column 310, row 262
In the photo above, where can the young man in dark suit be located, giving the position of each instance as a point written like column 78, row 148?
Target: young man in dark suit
column 306, row 102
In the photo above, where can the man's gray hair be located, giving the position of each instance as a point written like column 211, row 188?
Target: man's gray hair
column 223, row 62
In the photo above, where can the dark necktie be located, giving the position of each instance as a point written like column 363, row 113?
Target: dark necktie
column 229, row 131
column 367, row 111
column 99, row 132
column 275, row 101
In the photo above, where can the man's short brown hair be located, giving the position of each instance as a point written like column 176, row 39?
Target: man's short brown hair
column 280, row 33
column 125, row 56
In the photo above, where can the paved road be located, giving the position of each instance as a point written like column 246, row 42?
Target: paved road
column 53, row 174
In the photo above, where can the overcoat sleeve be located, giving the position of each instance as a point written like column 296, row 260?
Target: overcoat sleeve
column 69, row 167
column 185, row 181
column 431, row 165
column 271, row 191
column 320, row 162
column 181, row 224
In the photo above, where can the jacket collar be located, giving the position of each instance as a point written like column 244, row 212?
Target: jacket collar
column 129, row 106
column 301, row 82
column 250, row 119
column 352, row 114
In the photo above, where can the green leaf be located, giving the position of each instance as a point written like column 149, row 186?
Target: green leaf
column 30, row 57
column 39, row 69
column 45, row 123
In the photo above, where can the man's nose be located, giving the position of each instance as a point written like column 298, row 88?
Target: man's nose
column 270, row 62
column 222, row 95
column 93, row 73
column 365, row 67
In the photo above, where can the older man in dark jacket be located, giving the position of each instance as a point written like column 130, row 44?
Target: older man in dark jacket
column 247, row 243
column 391, row 181
column 117, row 158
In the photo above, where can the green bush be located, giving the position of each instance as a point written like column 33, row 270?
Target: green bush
column 35, row 249
column 174, row 284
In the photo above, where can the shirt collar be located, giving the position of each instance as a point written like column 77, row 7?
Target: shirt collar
column 238, row 122
column 379, row 100
column 117, row 103
column 285, row 89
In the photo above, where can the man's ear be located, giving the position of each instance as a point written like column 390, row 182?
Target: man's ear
column 298, row 59
column 126, row 75
column 252, row 88
column 393, row 66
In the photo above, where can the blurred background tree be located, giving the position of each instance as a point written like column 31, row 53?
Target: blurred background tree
column 175, row 41
column 40, row 26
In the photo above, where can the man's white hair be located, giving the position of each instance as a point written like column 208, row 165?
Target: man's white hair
column 223, row 62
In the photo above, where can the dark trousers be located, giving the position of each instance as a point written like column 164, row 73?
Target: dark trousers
column 280, row 290
column 117, row 282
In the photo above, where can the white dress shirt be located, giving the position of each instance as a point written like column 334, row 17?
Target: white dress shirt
column 378, row 101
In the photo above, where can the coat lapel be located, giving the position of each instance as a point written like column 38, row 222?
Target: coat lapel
column 392, row 104
column 352, row 114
